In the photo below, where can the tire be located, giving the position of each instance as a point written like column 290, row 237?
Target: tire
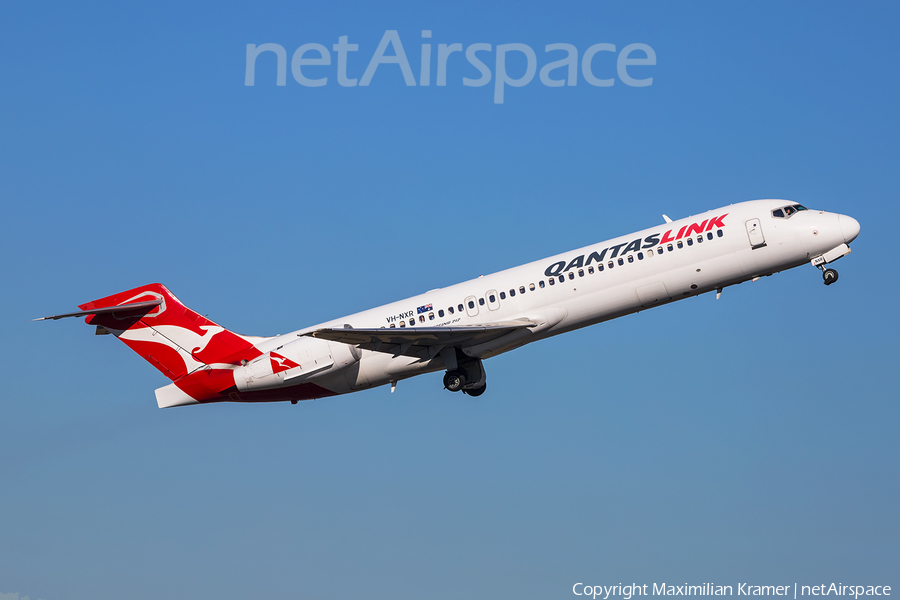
column 830, row 276
column 477, row 391
column 454, row 380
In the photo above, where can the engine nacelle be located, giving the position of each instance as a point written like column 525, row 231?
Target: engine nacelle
column 305, row 359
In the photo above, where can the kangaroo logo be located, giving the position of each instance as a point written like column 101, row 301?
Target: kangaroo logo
column 186, row 342
column 212, row 330
column 281, row 363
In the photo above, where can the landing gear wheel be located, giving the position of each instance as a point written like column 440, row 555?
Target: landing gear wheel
column 454, row 380
column 476, row 391
column 830, row 276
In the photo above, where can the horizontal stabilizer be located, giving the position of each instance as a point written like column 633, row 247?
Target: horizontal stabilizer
column 123, row 309
column 173, row 338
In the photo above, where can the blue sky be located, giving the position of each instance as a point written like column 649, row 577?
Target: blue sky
column 747, row 439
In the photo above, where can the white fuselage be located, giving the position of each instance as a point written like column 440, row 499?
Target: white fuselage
column 727, row 246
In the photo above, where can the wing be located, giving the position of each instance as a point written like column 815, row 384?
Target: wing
column 420, row 342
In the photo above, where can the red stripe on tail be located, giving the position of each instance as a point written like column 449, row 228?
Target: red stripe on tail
column 172, row 337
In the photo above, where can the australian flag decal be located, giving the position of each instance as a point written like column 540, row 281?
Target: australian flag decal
column 424, row 309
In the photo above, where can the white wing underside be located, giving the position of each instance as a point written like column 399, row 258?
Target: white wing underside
column 420, row 342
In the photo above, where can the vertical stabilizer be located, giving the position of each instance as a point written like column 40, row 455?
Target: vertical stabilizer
column 172, row 337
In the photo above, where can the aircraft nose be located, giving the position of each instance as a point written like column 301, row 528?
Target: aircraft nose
column 849, row 227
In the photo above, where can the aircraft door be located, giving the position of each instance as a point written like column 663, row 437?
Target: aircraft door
column 471, row 306
column 755, row 233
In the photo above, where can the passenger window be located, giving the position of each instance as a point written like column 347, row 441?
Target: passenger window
column 393, row 325
column 719, row 233
column 690, row 241
column 441, row 313
column 700, row 239
column 412, row 322
column 480, row 302
column 531, row 287
column 611, row 264
column 631, row 258
column 581, row 272
column 503, row 295
column 680, row 245
column 599, row 267
column 402, row 323
column 562, row 278
column 450, row 310
column 512, row 293
column 471, row 304
column 650, row 252
column 621, row 261
column 521, row 289
column 659, row 250
column 669, row 247
column 421, row 320
column 571, row 275
column 541, row 283
column 591, row 269
column 460, row 308
column 553, row 281
column 641, row 255
column 431, row 316
column 709, row 235
column 492, row 298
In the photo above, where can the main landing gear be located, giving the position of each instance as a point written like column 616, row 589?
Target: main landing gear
column 468, row 377
column 476, row 391
column 455, row 381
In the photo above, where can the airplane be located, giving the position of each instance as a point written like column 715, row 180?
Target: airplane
column 456, row 328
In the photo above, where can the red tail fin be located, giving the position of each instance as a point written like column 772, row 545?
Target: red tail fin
column 173, row 338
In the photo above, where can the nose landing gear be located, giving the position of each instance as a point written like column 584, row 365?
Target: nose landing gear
column 830, row 275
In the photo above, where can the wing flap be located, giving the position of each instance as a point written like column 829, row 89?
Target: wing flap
column 421, row 342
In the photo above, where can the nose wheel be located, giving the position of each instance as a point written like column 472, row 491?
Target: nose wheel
column 829, row 276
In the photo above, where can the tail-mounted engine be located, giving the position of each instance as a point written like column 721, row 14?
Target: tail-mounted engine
column 300, row 361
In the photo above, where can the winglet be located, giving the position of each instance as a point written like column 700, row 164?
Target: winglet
column 666, row 217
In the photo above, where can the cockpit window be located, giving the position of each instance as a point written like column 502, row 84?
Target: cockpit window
column 786, row 211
